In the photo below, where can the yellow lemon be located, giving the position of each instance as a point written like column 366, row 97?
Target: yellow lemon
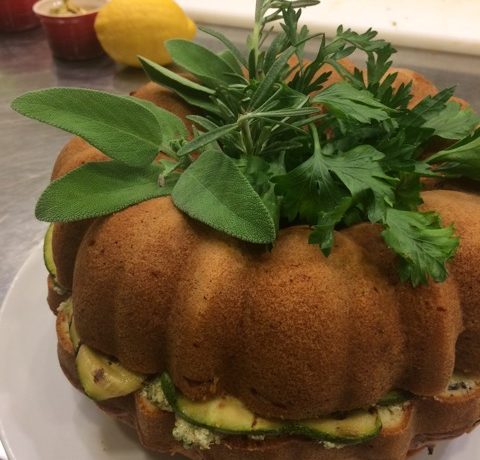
column 128, row 28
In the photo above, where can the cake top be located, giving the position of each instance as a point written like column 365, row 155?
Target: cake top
column 275, row 144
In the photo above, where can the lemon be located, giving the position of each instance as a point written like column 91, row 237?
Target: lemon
column 128, row 28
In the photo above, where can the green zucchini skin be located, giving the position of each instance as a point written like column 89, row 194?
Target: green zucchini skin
column 215, row 414
column 356, row 427
column 227, row 415
column 76, row 342
column 48, row 252
column 395, row 397
column 102, row 378
column 48, row 259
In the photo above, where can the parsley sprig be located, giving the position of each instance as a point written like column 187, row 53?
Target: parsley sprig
column 279, row 145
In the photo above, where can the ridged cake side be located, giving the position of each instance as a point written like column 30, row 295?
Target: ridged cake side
column 423, row 422
column 289, row 332
column 291, row 339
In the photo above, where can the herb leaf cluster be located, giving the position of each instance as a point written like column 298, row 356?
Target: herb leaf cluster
column 279, row 144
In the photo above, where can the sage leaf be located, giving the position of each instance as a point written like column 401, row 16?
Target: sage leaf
column 121, row 128
column 201, row 62
column 215, row 192
column 231, row 60
column 230, row 46
column 100, row 188
column 191, row 92
column 171, row 126
column 116, row 125
column 162, row 75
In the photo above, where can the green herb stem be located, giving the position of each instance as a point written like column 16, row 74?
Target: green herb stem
column 246, row 135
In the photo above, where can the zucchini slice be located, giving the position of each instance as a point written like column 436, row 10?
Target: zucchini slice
column 224, row 414
column 395, row 397
column 356, row 427
column 48, row 252
column 74, row 335
column 102, row 378
column 228, row 415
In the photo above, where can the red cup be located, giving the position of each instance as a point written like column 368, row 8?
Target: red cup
column 17, row 15
column 71, row 36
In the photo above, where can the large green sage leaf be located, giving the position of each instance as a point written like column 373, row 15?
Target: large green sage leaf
column 121, row 128
column 215, row 192
column 172, row 127
column 98, row 189
column 209, row 68
column 191, row 92
column 227, row 42
column 164, row 76
column 231, row 60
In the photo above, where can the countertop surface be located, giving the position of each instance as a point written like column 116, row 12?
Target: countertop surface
column 28, row 149
column 444, row 25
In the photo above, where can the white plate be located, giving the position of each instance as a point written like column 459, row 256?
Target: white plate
column 43, row 418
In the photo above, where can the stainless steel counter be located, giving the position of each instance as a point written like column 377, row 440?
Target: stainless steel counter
column 28, row 148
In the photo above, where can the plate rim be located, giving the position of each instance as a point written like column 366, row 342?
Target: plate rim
column 30, row 259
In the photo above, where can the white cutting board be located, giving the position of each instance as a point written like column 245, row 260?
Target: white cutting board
column 444, row 25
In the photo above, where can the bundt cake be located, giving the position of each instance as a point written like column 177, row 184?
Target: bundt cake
column 215, row 346
column 226, row 318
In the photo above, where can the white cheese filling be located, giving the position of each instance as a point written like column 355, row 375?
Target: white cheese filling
column 59, row 289
column 154, row 393
column 332, row 445
column 392, row 416
column 460, row 385
column 193, row 437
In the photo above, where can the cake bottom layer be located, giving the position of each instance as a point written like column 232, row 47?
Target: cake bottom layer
column 424, row 421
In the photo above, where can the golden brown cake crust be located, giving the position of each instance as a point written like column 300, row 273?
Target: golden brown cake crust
column 222, row 317
column 289, row 332
column 162, row 292
column 426, row 420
